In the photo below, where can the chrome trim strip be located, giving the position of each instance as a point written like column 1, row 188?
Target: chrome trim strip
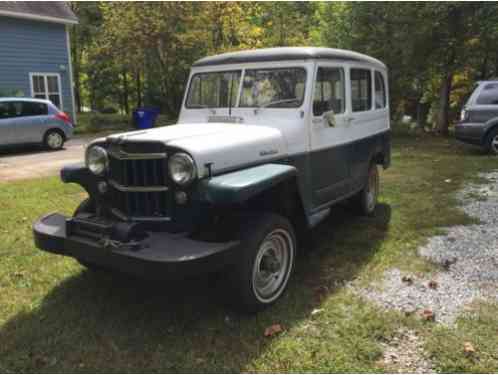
column 137, row 189
column 121, row 155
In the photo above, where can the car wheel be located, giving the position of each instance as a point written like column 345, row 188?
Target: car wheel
column 268, row 251
column 366, row 200
column 54, row 140
column 492, row 142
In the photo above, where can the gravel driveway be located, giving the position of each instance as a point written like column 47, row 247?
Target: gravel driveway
column 468, row 259
column 30, row 162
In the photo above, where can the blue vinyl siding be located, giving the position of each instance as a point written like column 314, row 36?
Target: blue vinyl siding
column 28, row 46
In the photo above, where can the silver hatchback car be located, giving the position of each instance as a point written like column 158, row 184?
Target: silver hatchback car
column 27, row 120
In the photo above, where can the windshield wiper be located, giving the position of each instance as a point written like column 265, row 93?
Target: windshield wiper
column 281, row 101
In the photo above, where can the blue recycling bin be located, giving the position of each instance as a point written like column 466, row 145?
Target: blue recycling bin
column 145, row 117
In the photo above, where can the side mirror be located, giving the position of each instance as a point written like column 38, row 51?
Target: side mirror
column 329, row 117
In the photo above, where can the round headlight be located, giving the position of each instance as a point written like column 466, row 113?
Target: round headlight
column 97, row 160
column 181, row 168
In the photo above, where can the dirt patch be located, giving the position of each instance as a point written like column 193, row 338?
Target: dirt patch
column 405, row 354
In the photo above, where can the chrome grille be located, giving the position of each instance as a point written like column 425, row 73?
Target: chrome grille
column 139, row 181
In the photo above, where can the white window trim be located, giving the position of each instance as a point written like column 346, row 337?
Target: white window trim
column 31, row 74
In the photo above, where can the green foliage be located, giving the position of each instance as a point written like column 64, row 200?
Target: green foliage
column 7, row 93
column 129, row 54
column 99, row 122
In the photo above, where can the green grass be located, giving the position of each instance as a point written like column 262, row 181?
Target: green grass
column 57, row 317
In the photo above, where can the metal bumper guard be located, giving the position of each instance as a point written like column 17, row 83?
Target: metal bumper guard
column 159, row 255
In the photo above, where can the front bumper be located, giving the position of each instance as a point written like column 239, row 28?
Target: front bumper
column 158, row 255
column 468, row 132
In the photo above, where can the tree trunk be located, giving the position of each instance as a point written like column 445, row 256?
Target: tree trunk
column 76, row 57
column 444, row 105
column 138, row 86
column 125, row 93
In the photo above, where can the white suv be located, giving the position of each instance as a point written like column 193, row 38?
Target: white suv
column 267, row 141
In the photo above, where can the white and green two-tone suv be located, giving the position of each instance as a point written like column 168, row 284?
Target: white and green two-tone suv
column 266, row 143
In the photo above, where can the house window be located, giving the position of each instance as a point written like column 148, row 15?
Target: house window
column 47, row 86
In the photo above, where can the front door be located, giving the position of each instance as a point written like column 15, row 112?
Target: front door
column 329, row 135
column 7, row 121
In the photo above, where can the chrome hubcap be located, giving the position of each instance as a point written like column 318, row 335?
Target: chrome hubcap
column 273, row 265
column 494, row 144
column 54, row 140
column 373, row 185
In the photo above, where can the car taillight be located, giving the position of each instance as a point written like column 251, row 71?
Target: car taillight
column 64, row 117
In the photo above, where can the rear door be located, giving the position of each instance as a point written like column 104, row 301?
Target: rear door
column 369, row 118
column 6, row 124
column 31, row 122
column 330, row 136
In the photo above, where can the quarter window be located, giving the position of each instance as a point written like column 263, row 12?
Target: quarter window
column 361, row 90
column 329, row 91
column 380, row 91
column 47, row 86
column 488, row 95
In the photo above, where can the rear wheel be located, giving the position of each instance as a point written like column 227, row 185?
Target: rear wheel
column 268, row 252
column 366, row 200
column 54, row 140
column 492, row 142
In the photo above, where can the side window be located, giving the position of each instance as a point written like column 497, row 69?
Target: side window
column 380, row 91
column 16, row 109
column 488, row 95
column 34, row 109
column 361, row 90
column 4, row 110
column 329, row 91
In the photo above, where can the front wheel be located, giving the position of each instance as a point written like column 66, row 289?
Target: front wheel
column 268, row 252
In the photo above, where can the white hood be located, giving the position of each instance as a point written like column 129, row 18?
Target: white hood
column 224, row 145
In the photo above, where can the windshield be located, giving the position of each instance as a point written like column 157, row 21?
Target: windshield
column 283, row 87
column 273, row 88
column 214, row 90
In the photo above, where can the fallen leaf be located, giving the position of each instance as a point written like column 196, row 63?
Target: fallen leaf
column 428, row 315
column 433, row 284
column 273, row 330
column 407, row 279
column 468, row 348
column 316, row 311
column 447, row 181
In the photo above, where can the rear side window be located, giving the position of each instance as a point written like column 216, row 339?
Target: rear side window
column 329, row 91
column 380, row 91
column 488, row 94
column 4, row 110
column 361, row 90
column 34, row 109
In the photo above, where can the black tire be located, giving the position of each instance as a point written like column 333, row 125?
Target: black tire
column 492, row 142
column 262, row 237
column 366, row 200
column 54, row 139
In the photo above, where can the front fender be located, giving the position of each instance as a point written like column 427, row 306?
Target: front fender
column 239, row 186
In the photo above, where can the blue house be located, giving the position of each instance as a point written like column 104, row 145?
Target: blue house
column 35, row 58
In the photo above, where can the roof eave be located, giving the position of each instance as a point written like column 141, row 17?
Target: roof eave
column 36, row 17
